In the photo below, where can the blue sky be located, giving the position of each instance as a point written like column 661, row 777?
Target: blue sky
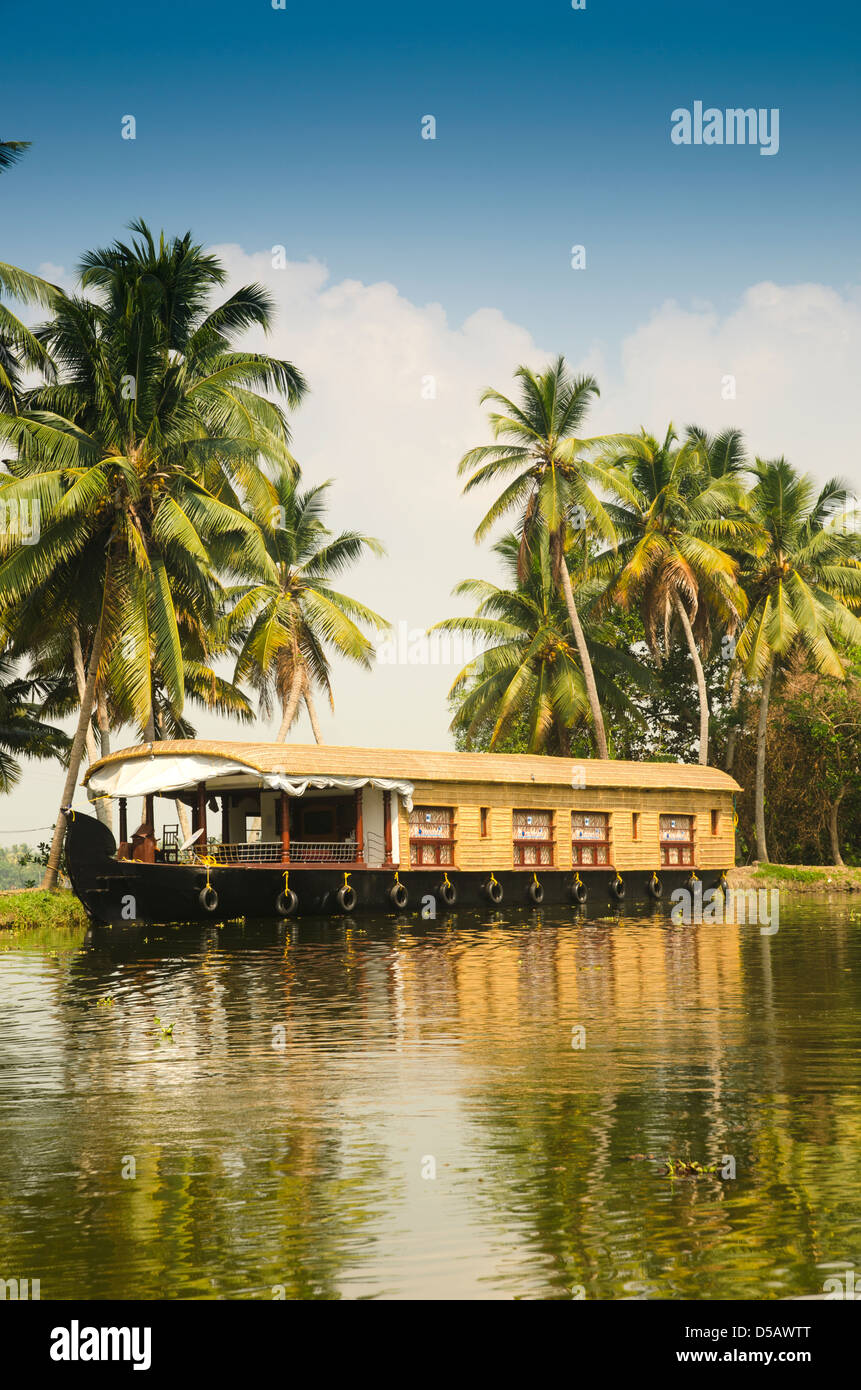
column 450, row 258
column 301, row 127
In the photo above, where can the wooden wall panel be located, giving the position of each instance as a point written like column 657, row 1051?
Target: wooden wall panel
column 495, row 851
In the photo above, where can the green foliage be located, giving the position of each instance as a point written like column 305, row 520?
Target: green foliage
column 284, row 627
column 34, row 909
column 813, row 752
column 525, row 690
column 23, row 732
column 14, row 870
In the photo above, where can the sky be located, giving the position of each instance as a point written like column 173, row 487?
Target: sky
column 716, row 284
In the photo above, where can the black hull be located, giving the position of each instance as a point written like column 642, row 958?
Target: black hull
column 120, row 892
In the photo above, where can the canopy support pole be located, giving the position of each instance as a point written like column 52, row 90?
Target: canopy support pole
column 200, row 816
column 387, row 826
column 360, row 831
column 285, row 828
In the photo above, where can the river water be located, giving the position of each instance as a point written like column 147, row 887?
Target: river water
column 480, row 1107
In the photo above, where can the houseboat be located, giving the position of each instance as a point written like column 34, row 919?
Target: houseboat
column 318, row 829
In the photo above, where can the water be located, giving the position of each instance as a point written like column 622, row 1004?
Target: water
column 282, row 1137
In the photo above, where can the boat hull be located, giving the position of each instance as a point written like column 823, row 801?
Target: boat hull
column 117, row 892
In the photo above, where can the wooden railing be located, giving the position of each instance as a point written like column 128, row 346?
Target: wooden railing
column 300, row 852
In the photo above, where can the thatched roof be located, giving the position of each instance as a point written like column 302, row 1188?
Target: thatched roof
column 301, row 759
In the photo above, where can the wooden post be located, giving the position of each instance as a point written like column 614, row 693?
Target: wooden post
column 225, row 818
column 124, row 820
column 360, row 830
column 201, row 816
column 285, row 828
column 149, row 812
column 387, row 825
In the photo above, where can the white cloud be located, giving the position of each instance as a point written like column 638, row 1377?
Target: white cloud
column 794, row 352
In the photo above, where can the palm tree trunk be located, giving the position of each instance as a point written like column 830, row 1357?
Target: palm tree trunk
column 52, row 869
column 583, row 651
column 761, row 732
column 312, row 713
column 833, row 828
column 701, row 679
column 101, row 804
column 732, row 736
column 292, row 704
column 104, row 724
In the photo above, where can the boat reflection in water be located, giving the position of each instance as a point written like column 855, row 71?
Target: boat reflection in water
column 381, row 1106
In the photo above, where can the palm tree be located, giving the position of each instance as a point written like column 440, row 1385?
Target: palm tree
column 18, row 347
column 675, row 530
column 529, row 674
column 11, row 151
column 553, row 483
column 141, row 457
column 803, row 580
column 283, row 624
column 23, row 733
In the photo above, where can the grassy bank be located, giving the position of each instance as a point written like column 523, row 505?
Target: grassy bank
column 803, row 878
column 30, row 907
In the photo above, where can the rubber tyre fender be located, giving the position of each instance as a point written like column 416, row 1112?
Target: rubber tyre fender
column 617, row 890
column 536, row 893
column 579, row 892
column 287, row 903
column 654, row 887
column 447, row 894
column 398, row 896
column 208, row 898
column 493, row 892
column 346, row 898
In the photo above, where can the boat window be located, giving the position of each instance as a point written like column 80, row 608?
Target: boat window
column 253, row 829
column 590, row 837
column 533, row 837
column 485, row 822
column 432, row 835
column 677, row 839
column 715, row 822
column 635, row 825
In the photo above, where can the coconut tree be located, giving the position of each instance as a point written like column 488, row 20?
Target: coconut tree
column 23, row 731
column 18, row 346
column 11, row 151
column 676, row 524
column 141, row 457
column 553, row 490
column 803, row 580
column 286, row 626
column 528, row 674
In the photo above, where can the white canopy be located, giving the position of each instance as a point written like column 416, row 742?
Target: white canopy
column 182, row 772
column 297, row 786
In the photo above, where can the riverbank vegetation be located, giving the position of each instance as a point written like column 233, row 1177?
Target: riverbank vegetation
column 29, row 908
column 665, row 596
